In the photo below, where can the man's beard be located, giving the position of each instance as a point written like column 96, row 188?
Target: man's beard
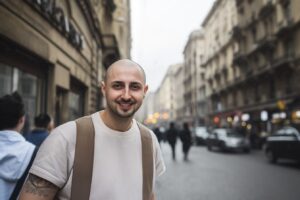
column 116, row 109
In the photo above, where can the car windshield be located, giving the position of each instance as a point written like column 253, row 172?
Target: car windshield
column 288, row 130
column 201, row 131
column 233, row 133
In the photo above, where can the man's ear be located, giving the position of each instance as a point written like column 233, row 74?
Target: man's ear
column 145, row 90
column 102, row 85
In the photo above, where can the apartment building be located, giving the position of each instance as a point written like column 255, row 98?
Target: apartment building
column 178, row 95
column 218, row 66
column 55, row 54
column 193, row 78
column 267, row 62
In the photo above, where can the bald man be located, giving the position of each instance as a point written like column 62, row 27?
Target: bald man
column 117, row 169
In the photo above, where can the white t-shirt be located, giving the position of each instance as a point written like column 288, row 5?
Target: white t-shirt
column 117, row 171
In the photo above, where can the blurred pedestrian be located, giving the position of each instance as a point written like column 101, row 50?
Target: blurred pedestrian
column 16, row 154
column 43, row 124
column 186, row 139
column 158, row 134
column 172, row 134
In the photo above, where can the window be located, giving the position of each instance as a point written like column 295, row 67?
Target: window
column 30, row 87
column 253, row 31
column 76, row 99
column 75, row 106
column 287, row 10
column 5, row 79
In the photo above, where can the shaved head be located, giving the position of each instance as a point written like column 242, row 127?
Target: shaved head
column 124, row 63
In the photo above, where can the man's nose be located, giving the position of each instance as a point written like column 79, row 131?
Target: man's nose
column 126, row 93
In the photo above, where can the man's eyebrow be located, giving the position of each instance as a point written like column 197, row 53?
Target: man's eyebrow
column 119, row 82
column 136, row 83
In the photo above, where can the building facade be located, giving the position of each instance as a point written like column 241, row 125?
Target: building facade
column 218, row 64
column 193, row 78
column 268, row 36
column 178, row 95
column 54, row 54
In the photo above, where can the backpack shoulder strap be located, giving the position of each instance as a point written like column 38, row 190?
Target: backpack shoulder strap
column 83, row 159
column 20, row 182
column 147, row 161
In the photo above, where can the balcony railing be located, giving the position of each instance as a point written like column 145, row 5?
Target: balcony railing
column 285, row 27
column 240, row 59
column 267, row 8
column 267, row 43
column 286, row 60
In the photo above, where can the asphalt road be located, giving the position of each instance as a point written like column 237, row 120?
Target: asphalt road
column 226, row 176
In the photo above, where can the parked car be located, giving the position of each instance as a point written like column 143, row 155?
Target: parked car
column 200, row 135
column 228, row 139
column 284, row 143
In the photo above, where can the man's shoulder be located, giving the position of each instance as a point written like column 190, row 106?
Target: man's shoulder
column 148, row 130
column 66, row 130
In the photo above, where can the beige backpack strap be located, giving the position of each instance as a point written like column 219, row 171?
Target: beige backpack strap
column 83, row 159
column 147, row 159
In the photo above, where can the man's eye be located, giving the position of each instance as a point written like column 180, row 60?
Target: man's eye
column 135, row 87
column 117, row 86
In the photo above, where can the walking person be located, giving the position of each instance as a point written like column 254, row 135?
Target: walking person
column 186, row 139
column 119, row 170
column 43, row 123
column 16, row 154
column 172, row 134
column 158, row 134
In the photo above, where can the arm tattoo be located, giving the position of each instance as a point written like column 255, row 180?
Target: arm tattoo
column 39, row 186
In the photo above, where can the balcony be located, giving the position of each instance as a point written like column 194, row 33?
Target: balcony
column 284, row 2
column 236, row 32
column 111, row 49
column 240, row 59
column 267, row 44
column 253, row 48
column 217, row 73
column 285, row 27
column 287, row 60
column 267, row 8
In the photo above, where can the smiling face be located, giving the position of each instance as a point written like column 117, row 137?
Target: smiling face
column 124, row 88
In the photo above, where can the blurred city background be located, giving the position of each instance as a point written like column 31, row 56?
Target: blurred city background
column 237, row 77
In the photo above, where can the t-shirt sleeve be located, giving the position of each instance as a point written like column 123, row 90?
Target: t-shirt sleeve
column 160, row 167
column 53, row 161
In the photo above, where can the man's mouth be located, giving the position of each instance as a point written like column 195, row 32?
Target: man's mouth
column 125, row 105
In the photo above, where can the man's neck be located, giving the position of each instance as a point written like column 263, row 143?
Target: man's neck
column 114, row 122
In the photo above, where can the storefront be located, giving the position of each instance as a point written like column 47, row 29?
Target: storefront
column 51, row 52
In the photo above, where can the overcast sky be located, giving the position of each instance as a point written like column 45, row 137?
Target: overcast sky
column 160, row 29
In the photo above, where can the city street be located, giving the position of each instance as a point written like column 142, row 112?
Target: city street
column 226, row 176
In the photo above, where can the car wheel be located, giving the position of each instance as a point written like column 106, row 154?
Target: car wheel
column 271, row 156
column 222, row 147
column 246, row 150
column 208, row 147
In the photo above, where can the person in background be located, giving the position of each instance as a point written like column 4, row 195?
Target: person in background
column 186, row 139
column 158, row 134
column 172, row 134
column 43, row 124
column 16, row 154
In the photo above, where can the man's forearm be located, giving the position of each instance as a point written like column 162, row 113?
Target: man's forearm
column 36, row 188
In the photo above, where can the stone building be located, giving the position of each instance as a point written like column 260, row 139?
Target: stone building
column 266, row 88
column 55, row 53
column 194, row 78
column 178, row 95
column 218, row 61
